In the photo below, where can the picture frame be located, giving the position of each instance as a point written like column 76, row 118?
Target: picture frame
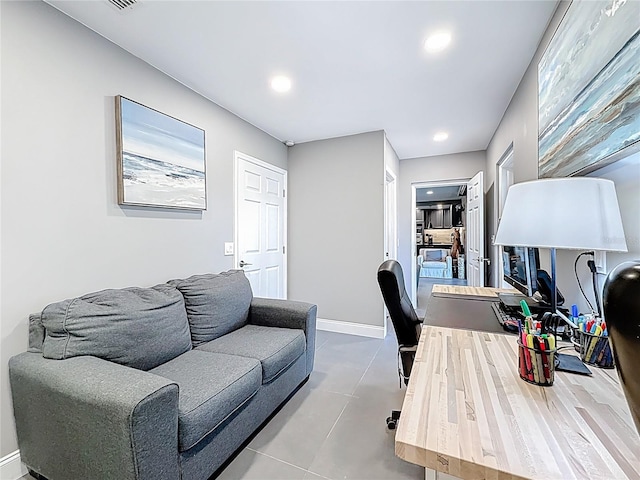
column 589, row 89
column 161, row 160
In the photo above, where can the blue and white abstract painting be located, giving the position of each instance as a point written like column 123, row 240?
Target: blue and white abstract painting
column 589, row 88
column 162, row 159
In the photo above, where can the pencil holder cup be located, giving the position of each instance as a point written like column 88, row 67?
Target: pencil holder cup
column 536, row 366
column 596, row 350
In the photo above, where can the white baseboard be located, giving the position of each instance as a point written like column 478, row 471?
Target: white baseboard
column 11, row 468
column 350, row 328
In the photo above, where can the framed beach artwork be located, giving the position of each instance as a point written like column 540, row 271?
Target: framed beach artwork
column 589, row 88
column 161, row 160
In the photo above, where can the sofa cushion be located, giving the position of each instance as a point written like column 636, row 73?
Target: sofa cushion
column 216, row 303
column 435, row 265
column 276, row 348
column 435, row 255
column 136, row 327
column 212, row 387
column 36, row 333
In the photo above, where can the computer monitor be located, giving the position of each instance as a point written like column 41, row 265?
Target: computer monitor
column 521, row 268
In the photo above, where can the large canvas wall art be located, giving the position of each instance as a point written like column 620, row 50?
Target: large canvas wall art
column 161, row 160
column 589, row 88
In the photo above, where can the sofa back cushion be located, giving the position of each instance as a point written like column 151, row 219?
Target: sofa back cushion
column 216, row 303
column 433, row 255
column 137, row 327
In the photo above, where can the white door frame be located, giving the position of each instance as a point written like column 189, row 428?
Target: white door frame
column 391, row 216
column 414, row 250
column 504, row 179
column 237, row 155
column 390, row 224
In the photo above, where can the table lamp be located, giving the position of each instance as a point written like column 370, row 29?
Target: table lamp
column 574, row 213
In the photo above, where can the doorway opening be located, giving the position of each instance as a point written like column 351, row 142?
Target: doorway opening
column 440, row 236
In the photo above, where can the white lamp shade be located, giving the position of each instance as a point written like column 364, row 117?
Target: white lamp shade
column 574, row 213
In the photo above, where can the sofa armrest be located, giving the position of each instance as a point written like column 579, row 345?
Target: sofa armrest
column 89, row 418
column 420, row 260
column 271, row 312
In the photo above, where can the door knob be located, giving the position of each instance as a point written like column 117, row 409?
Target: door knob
column 243, row 263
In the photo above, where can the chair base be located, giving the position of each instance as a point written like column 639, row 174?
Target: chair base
column 392, row 421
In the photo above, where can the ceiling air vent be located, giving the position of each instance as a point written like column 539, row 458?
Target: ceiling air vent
column 123, row 4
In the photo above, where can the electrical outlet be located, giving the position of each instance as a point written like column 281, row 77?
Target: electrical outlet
column 600, row 259
column 228, row 248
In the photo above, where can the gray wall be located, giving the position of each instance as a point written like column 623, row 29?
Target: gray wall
column 63, row 233
column 336, row 218
column 520, row 126
column 458, row 166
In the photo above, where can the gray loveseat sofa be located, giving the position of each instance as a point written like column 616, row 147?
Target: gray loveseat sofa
column 156, row 383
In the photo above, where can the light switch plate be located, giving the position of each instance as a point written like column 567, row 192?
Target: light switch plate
column 228, row 248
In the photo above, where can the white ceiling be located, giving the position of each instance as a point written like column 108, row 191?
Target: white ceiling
column 355, row 66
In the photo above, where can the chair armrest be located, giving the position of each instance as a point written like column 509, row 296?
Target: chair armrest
column 271, row 312
column 90, row 418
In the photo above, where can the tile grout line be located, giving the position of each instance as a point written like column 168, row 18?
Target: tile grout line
column 368, row 367
column 277, row 459
column 356, row 387
column 287, row 463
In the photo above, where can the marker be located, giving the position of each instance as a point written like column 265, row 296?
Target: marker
column 536, row 345
column 534, row 364
column 552, row 342
column 592, row 345
column 545, row 360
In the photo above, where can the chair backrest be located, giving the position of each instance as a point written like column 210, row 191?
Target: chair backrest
column 405, row 321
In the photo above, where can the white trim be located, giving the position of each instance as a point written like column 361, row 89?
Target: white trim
column 11, row 468
column 390, row 222
column 504, row 175
column 349, row 328
column 237, row 155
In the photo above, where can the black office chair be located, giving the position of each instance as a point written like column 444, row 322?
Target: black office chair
column 406, row 323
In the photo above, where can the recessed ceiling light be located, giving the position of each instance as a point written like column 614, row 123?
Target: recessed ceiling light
column 281, row 83
column 437, row 41
column 429, row 192
column 440, row 137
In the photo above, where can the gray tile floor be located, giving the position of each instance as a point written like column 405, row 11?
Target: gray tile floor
column 334, row 426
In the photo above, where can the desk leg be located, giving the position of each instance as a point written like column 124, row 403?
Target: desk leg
column 430, row 474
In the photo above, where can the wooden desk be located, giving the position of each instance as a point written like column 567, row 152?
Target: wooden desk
column 470, row 291
column 467, row 413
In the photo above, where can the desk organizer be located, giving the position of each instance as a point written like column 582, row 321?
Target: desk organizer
column 536, row 366
column 596, row 350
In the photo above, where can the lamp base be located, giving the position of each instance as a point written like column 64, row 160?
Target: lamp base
column 571, row 364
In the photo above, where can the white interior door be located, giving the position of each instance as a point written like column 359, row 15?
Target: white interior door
column 261, row 225
column 475, row 231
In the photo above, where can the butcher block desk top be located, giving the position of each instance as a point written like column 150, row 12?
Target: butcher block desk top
column 470, row 291
column 467, row 413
